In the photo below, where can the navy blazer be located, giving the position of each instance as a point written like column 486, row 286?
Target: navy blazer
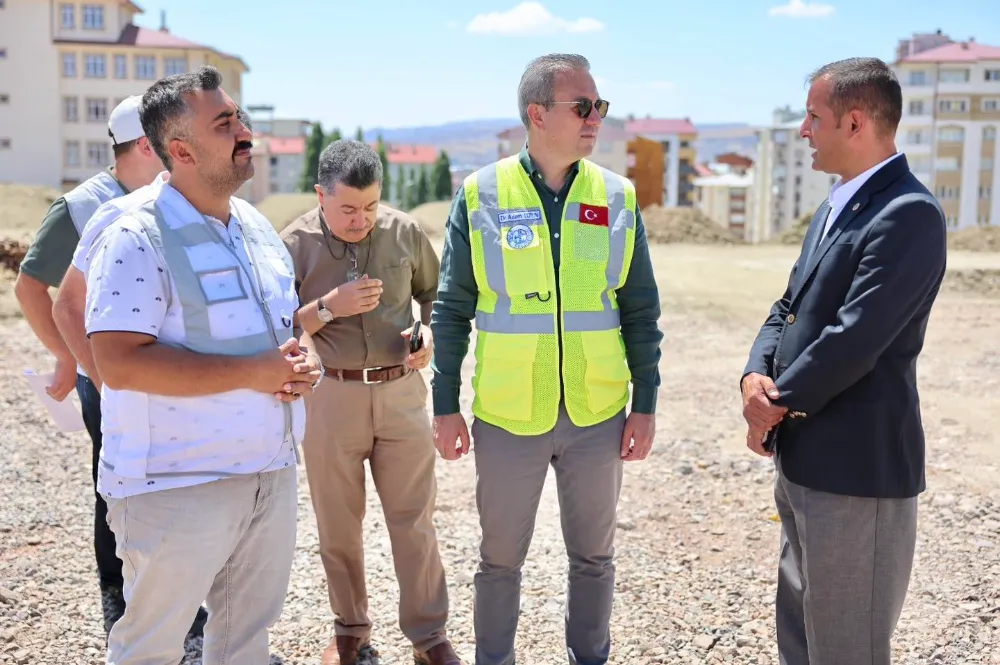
column 842, row 342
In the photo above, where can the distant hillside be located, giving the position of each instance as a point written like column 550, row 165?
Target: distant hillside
column 450, row 132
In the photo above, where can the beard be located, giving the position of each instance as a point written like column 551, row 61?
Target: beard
column 225, row 175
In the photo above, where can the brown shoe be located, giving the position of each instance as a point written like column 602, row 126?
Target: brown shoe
column 345, row 650
column 439, row 654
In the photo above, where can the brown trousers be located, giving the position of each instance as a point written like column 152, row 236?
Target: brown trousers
column 349, row 422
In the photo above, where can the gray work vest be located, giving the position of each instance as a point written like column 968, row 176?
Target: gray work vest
column 214, row 286
column 84, row 200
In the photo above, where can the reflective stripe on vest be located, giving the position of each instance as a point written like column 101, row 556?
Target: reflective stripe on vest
column 84, row 200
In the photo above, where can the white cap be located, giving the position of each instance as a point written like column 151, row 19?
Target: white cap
column 124, row 124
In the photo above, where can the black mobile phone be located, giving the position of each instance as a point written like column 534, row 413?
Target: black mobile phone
column 415, row 341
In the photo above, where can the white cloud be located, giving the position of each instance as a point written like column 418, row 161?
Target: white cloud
column 530, row 18
column 801, row 9
column 451, row 24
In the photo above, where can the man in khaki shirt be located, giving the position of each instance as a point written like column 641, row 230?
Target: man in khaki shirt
column 359, row 266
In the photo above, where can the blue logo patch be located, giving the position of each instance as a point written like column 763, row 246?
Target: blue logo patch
column 523, row 215
column 519, row 236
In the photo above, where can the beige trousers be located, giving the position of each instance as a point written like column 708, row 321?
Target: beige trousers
column 228, row 542
column 349, row 422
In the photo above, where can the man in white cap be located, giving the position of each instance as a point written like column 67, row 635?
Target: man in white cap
column 44, row 266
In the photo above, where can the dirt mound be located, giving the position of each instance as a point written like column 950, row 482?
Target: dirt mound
column 12, row 253
column 282, row 209
column 22, row 208
column 978, row 239
column 795, row 233
column 432, row 216
column 685, row 225
column 980, row 281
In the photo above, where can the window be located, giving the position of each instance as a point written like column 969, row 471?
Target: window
column 72, row 153
column 946, row 164
column 94, row 66
column 954, row 76
column 918, row 164
column 984, row 220
column 951, row 135
column 70, row 110
column 948, row 192
column 918, row 78
column 917, row 107
column 98, row 153
column 991, row 104
column 952, row 221
column 68, row 13
column 97, row 110
column 145, row 67
column 989, row 133
column 93, row 17
column 69, row 65
column 986, row 164
column 916, row 137
column 953, row 106
column 173, row 66
column 985, row 192
column 992, row 75
column 121, row 66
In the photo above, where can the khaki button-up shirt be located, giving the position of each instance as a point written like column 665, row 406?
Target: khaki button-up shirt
column 398, row 252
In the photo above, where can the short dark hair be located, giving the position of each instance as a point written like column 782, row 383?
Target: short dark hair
column 163, row 105
column 122, row 148
column 868, row 84
column 349, row 162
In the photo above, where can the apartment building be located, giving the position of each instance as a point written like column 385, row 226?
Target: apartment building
column 64, row 65
column 677, row 138
column 405, row 162
column 610, row 151
column 785, row 186
column 951, row 117
column 724, row 192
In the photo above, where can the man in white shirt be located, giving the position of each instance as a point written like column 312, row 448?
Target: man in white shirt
column 190, row 298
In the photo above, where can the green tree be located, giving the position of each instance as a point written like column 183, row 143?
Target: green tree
column 386, row 179
column 441, row 178
column 359, row 135
column 314, row 146
column 332, row 136
column 423, row 187
column 401, row 187
column 411, row 189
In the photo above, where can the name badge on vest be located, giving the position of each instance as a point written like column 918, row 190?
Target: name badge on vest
column 516, row 230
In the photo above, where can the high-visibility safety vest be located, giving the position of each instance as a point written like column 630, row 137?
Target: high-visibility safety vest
column 521, row 324
column 84, row 200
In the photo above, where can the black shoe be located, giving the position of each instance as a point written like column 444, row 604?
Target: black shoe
column 113, row 605
column 198, row 627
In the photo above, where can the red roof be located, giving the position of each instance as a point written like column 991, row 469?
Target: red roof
column 957, row 52
column 412, row 154
column 703, row 171
column 660, row 126
column 292, row 145
column 133, row 35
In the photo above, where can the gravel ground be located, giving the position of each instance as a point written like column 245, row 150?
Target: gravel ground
column 697, row 533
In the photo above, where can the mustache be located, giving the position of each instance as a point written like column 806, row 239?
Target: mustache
column 242, row 145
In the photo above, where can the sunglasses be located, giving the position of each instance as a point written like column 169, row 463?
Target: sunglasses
column 584, row 106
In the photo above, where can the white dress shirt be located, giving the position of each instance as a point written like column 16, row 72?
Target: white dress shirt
column 842, row 192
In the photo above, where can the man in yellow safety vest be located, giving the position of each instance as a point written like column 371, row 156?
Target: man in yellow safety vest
column 547, row 252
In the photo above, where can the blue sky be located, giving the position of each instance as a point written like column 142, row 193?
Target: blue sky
column 396, row 63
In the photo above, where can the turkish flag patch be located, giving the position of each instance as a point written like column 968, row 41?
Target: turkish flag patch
column 598, row 216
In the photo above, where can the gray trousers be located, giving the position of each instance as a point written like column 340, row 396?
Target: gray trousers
column 229, row 542
column 510, row 475
column 843, row 573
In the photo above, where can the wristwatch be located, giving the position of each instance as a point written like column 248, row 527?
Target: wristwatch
column 322, row 312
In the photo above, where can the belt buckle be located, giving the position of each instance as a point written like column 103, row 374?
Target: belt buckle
column 364, row 375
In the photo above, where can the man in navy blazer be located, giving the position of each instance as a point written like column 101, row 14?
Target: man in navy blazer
column 830, row 387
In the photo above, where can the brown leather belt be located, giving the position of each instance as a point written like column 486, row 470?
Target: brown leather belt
column 368, row 375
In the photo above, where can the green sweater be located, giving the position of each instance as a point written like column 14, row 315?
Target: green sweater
column 455, row 307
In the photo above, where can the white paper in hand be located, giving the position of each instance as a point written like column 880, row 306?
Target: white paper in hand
column 65, row 414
